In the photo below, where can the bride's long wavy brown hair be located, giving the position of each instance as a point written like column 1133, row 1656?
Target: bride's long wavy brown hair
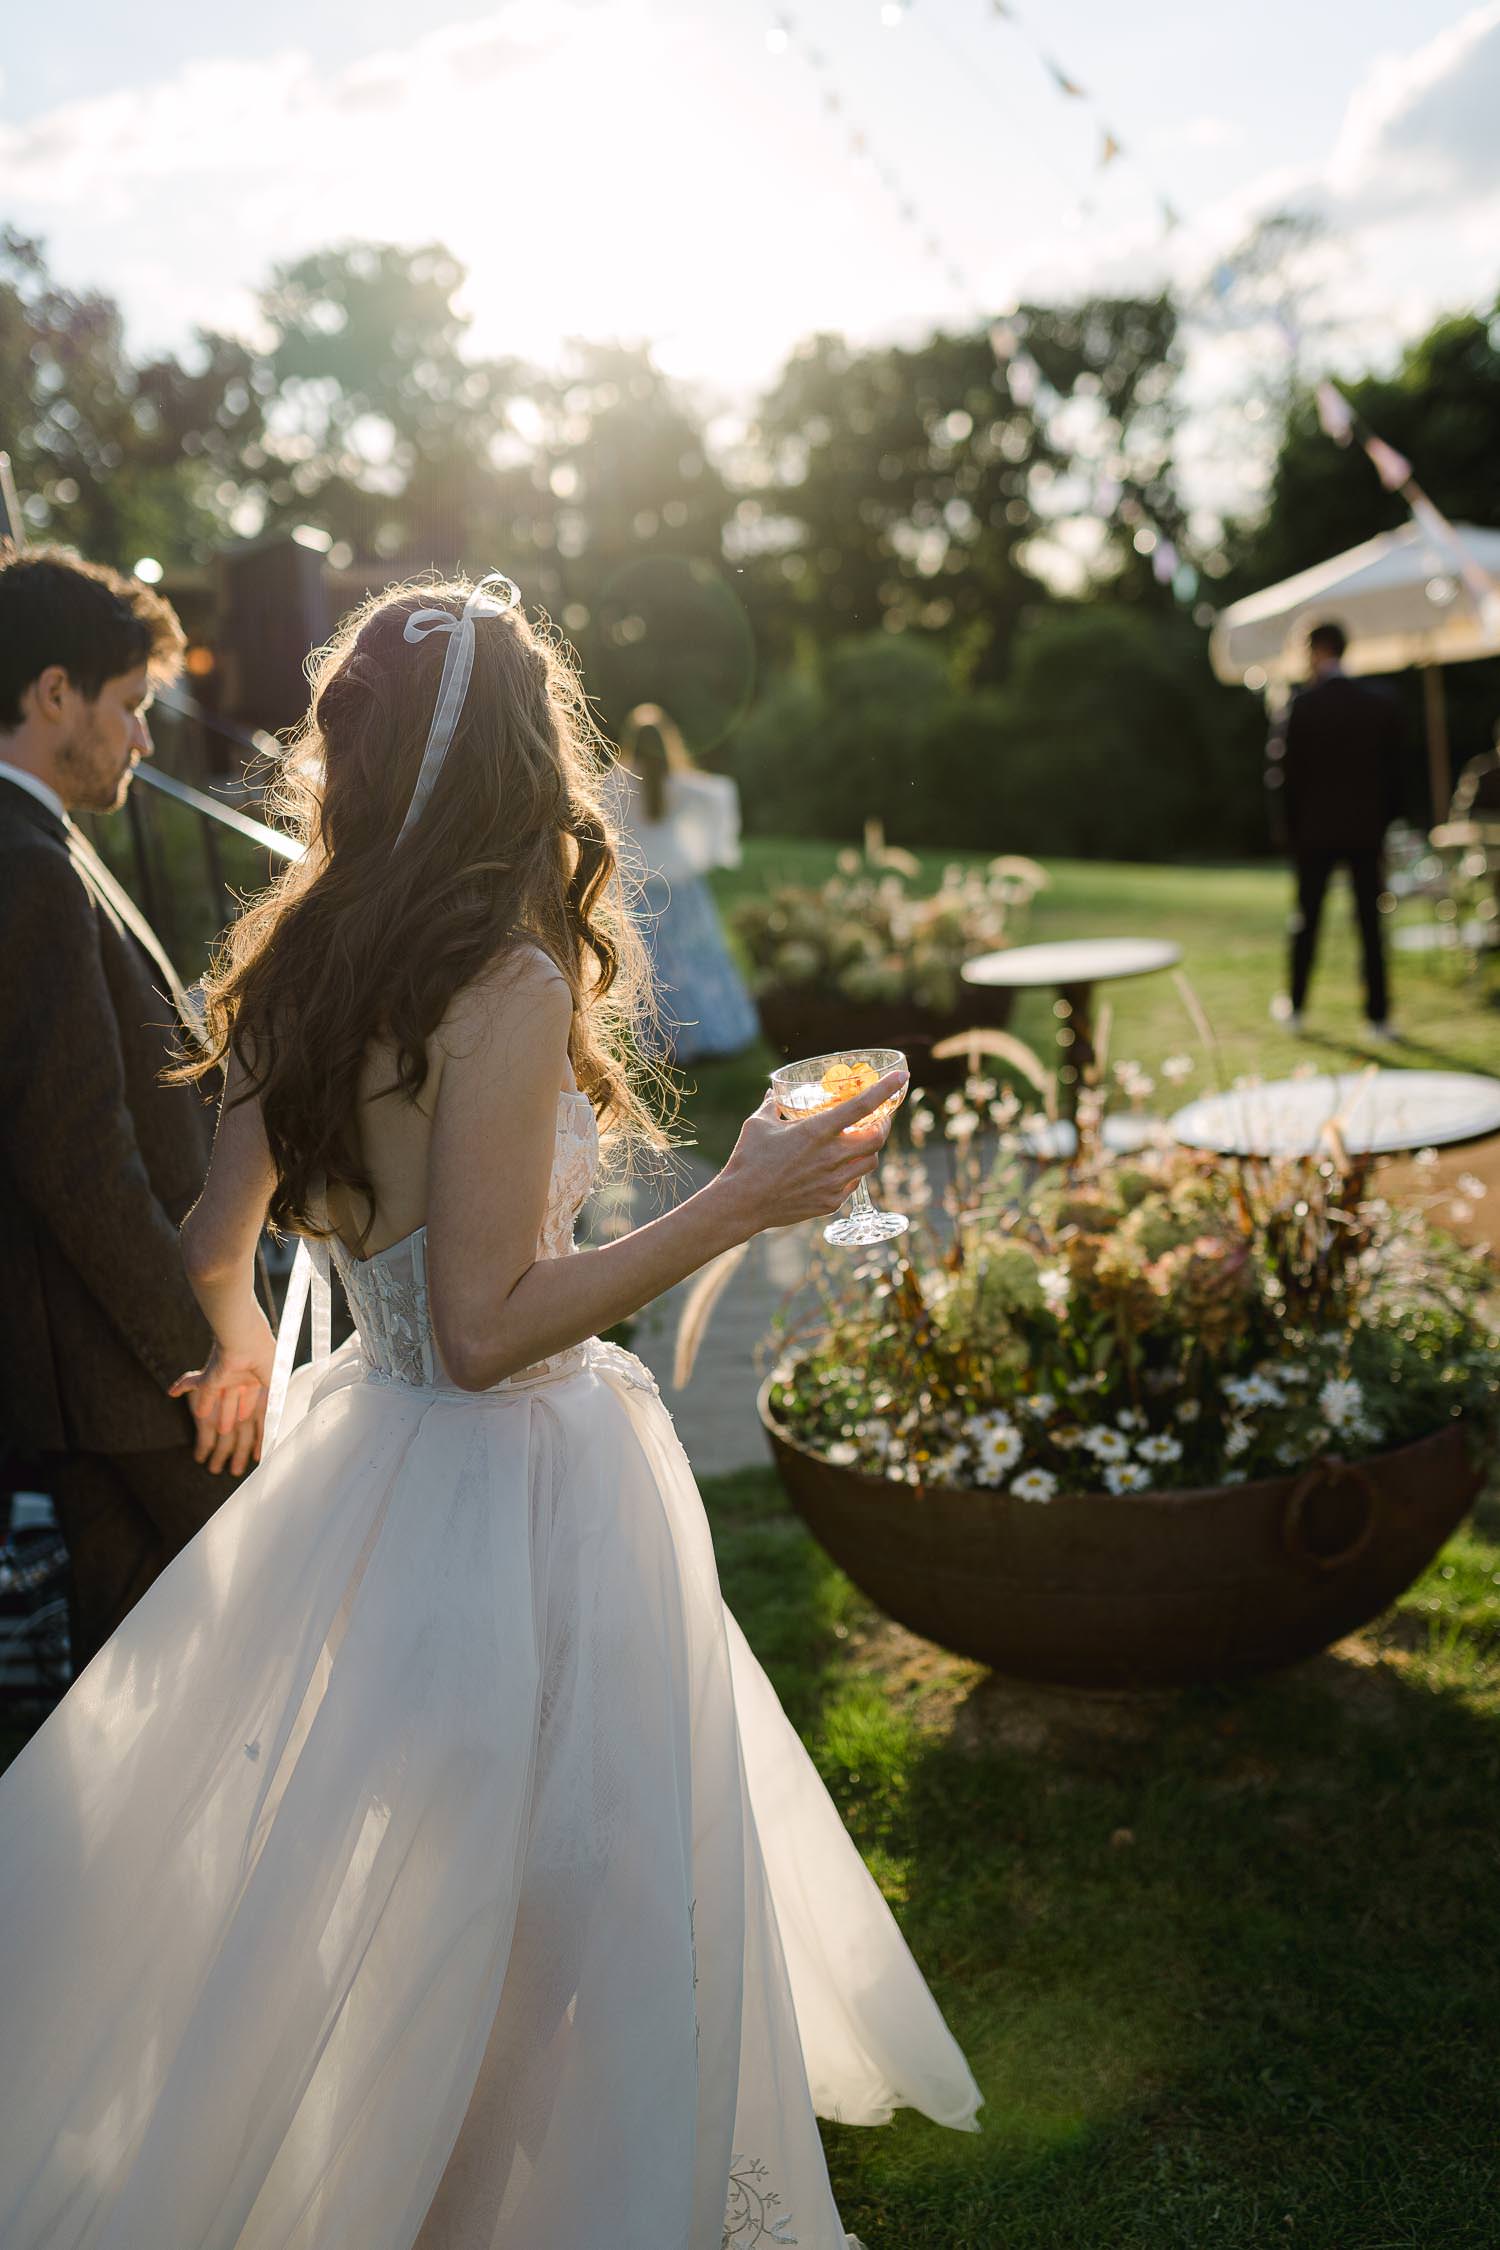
column 363, row 941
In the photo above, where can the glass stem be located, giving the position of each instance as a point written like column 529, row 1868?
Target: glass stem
column 859, row 1202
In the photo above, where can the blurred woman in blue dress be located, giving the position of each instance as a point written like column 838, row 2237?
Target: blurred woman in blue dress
column 683, row 822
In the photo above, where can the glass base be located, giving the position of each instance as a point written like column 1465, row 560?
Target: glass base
column 865, row 1227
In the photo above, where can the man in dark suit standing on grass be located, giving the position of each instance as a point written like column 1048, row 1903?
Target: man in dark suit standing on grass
column 1340, row 792
column 99, row 1161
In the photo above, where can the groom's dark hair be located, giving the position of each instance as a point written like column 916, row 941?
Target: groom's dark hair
column 55, row 608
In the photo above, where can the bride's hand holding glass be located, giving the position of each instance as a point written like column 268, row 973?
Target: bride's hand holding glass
column 788, row 1170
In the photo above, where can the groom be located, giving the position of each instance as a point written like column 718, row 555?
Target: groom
column 99, row 1162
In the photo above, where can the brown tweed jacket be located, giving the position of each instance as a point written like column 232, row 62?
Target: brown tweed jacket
column 99, row 1163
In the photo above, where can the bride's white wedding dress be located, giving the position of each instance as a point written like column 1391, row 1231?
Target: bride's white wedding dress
column 427, row 1860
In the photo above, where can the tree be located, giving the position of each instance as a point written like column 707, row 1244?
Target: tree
column 928, row 488
column 621, row 522
column 116, row 461
column 899, row 480
column 382, row 430
column 1440, row 407
column 1109, row 368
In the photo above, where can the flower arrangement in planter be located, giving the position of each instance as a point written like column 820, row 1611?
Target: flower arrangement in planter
column 873, row 961
column 1116, row 1350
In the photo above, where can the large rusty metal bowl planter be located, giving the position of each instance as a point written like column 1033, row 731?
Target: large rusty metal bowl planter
column 799, row 1021
column 1147, row 1590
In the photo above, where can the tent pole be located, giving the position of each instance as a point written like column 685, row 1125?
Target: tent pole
column 1439, row 769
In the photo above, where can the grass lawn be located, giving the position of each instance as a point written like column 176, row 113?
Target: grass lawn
column 1226, row 1964
column 1231, row 925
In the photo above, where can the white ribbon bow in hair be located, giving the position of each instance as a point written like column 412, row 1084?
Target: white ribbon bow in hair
column 458, row 666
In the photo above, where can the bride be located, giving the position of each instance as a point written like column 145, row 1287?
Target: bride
column 426, row 1861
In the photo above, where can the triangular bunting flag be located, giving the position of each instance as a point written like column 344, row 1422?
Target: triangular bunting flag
column 1063, row 83
column 1392, row 468
column 1110, row 149
column 1335, row 416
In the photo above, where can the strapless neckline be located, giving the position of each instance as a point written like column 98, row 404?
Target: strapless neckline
column 404, row 1241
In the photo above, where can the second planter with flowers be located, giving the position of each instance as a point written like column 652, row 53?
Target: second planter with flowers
column 1171, row 1423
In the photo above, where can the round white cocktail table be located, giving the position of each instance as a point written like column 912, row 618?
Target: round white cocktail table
column 1373, row 1113
column 1072, row 968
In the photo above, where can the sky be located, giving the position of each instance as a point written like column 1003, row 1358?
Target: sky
column 680, row 173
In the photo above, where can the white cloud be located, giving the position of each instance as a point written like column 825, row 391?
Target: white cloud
column 1421, row 129
column 1209, row 132
column 221, row 116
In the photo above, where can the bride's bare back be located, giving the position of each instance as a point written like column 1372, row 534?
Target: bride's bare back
column 394, row 1132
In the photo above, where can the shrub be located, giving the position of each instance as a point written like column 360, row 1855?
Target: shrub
column 1109, row 739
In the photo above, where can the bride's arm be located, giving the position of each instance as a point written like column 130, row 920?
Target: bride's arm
column 496, row 1308
column 219, row 1235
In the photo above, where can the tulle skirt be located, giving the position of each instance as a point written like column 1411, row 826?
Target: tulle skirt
column 427, row 1861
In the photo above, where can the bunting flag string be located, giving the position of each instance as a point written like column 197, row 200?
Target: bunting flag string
column 787, row 35
column 1111, row 147
column 1346, row 426
column 1024, row 377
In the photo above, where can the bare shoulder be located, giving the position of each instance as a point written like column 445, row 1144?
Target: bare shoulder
column 519, row 1005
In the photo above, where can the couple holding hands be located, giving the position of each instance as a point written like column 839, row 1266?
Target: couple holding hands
column 421, row 1856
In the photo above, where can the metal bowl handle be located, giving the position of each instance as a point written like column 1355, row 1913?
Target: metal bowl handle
column 1328, row 1469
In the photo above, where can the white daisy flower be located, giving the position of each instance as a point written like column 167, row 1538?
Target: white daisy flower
column 842, row 1454
column 1106, row 1445
column 1237, row 1440
column 996, row 1451
column 1245, row 1391
column 1189, row 1410
column 1056, row 1288
column 949, row 1466
column 1034, row 1484
column 1130, row 1418
column 1341, row 1402
column 1041, row 1406
column 1160, row 1448
column 1126, row 1476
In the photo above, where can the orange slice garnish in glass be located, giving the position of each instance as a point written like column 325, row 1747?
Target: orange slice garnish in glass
column 841, row 1080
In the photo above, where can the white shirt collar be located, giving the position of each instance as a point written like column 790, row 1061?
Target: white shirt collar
column 43, row 794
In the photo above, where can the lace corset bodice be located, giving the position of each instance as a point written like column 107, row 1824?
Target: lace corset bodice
column 387, row 1293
